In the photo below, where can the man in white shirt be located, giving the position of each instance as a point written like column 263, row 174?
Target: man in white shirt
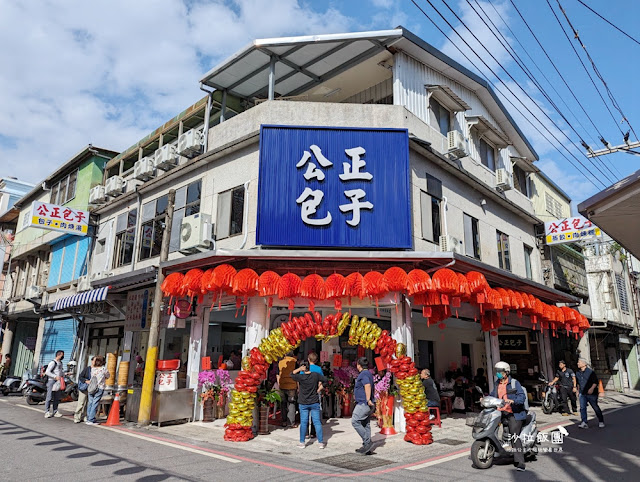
column 54, row 374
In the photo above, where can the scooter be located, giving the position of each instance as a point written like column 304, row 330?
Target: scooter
column 14, row 385
column 550, row 397
column 36, row 391
column 487, row 447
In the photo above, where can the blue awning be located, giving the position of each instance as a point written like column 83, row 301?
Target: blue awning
column 83, row 298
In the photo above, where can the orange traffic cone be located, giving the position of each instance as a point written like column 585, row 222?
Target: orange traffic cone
column 600, row 388
column 114, row 414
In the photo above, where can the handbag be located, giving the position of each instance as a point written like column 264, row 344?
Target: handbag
column 458, row 403
column 83, row 386
column 93, row 385
column 63, row 385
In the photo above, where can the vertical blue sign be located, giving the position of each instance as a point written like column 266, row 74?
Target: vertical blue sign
column 334, row 187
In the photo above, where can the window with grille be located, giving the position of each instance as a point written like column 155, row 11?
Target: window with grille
column 553, row 206
column 64, row 190
column 622, row 293
column 125, row 238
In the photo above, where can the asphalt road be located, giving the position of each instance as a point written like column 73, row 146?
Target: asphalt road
column 34, row 448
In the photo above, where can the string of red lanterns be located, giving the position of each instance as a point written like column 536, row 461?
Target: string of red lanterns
column 437, row 294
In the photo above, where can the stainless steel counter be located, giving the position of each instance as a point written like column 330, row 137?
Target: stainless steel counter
column 165, row 407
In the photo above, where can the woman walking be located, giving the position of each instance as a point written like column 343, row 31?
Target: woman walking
column 99, row 375
column 83, row 396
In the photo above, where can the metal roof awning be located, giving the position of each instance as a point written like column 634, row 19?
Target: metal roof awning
column 296, row 63
column 448, row 98
column 489, row 131
column 79, row 299
column 327, row 262
column 616, row 211
column 126, row 281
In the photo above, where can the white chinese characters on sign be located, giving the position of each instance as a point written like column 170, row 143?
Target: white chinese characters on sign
column 310, row 199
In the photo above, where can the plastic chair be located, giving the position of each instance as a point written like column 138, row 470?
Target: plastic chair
column 446, row 406
column 436, row 421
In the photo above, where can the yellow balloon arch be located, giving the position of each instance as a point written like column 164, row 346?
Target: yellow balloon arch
column 362, row 332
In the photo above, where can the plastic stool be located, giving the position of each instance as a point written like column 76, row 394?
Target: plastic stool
column 446, row 406
column 435, row 421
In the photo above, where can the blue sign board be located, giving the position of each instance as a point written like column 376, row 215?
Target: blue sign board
column 334, row 187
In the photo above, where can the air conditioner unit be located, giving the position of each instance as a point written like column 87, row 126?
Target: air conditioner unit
column 113, row 186
column 143, row 169
column 33, row 291
column 456, row 144
column 190, row 143
column 96, row 195
column 503, row 180
column 195, row 234
column 84, row 283
column 166, row 157
column 450, row 244
column 100, row 275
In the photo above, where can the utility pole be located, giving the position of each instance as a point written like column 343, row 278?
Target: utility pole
column 146, row 397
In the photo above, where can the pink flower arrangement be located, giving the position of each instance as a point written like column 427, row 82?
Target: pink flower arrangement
column 381, row 385
column 215, row 384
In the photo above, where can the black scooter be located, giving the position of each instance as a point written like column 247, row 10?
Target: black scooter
column 550, row 397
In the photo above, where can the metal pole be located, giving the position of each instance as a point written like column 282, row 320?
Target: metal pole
column 146, row 397
column 223, row 106
column 272, row 77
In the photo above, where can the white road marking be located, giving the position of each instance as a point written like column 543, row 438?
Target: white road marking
column 438, row 461
column 148, row 439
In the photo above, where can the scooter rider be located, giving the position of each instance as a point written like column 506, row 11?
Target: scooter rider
column 568, row 387
column 513, row 413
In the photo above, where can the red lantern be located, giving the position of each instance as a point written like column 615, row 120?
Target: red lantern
column 335, row 289
column 191, row 282
column 289, row 288
column 375, row 286
column 245, row 284
column 396, row 279
column 446, row 282
column 418, row 282
column 172, row 285
column 223, row 277
column 494, row 300
column 268, row 286
column 463, row 288
column 355, row 286
column 478, row 286
column 207, row 278
column 313, row 288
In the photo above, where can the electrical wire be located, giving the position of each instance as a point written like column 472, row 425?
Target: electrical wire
column 502, row 40
column 509, row 89
column 615, row 121
column 610, row 23
column 595, row 69
column 506, row 98
column 552, row 63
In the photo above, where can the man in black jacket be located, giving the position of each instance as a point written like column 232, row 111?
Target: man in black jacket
column 566, row 379
column 309, row 401
column 588, row 382
column 430, row 390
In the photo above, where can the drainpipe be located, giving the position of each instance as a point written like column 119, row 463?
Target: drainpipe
column 444, row 215
column 207, row 115
column 245, row 215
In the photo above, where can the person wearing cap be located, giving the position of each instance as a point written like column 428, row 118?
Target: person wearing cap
column 360, row 418
column 513, row 412
column 588, row 382
column 568, row 387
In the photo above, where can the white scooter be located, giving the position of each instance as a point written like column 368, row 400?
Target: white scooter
column 488, row 446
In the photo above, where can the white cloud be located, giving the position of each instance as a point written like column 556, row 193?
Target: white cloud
column 382, row 3
column 109, row 72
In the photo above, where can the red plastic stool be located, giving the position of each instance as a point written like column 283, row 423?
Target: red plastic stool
column 446, row 406
column 435, row 421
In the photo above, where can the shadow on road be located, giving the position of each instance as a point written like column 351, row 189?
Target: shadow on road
column 103, row 459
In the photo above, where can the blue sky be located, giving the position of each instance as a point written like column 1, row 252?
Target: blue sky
column 109, row 72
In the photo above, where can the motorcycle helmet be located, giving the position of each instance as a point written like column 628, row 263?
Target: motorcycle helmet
column 502, row 367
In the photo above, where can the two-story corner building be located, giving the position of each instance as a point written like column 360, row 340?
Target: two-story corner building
column 339, row 143
column 49, row 257
column 11, row 189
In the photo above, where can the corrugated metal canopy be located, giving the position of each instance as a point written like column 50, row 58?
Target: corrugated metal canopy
column 300, row 62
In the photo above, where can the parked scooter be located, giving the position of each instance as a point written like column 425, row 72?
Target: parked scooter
column 488, row 446
column 36, row 391
column 550, row 397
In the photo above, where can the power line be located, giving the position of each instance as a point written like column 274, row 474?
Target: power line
column 506, row 98
column 528, row 73
column 595, row 69
column 513, row 34
column 515, row 81
column 610, row 23
column 554, row 66
column 615, row 121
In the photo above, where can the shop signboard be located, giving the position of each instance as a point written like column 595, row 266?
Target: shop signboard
column 513, row 341
column 138, row 313
column 569, row 230
column 59, row 218
column 334, row 187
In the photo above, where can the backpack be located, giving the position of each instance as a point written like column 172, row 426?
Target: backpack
column 526, row 397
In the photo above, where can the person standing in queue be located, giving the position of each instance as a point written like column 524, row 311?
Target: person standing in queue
column 312, row 358
column 513, row 412
column 84, row 379
column 430, row 390
column 288, row 387
column 363, row 392
column 309, row 401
